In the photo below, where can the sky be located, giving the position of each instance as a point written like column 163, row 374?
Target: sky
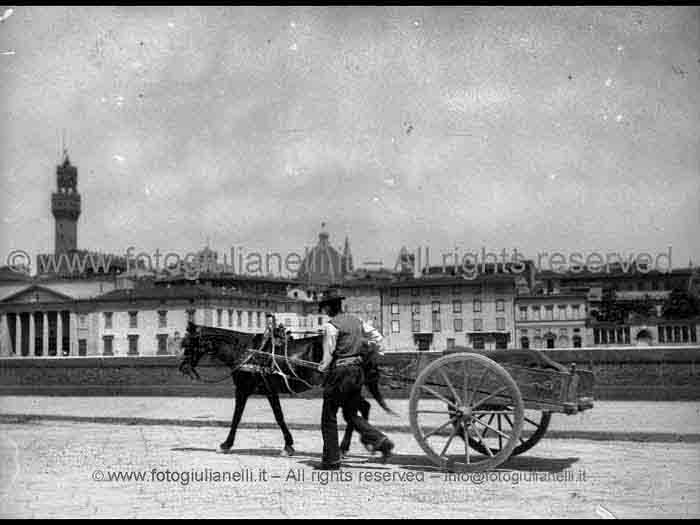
column 567, row 129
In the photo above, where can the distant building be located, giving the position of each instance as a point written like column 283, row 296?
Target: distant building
column 443, row 312
column 551, row 321
column 324, row 265
column 71, row 320
column 65, row 206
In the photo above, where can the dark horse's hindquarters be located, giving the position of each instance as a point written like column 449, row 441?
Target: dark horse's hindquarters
column 257, row 374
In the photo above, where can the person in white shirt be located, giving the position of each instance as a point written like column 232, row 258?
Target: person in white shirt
column 345, row 337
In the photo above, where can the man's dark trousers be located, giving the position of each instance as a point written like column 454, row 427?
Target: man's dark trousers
column 343, row 389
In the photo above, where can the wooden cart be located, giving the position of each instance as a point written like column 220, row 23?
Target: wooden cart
column 471, row 411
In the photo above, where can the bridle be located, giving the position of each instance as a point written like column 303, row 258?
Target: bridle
column 195, row 346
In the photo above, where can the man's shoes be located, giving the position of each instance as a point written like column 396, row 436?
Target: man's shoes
column 327, row 466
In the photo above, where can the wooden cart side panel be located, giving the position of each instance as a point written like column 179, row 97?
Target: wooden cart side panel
column 549, row 390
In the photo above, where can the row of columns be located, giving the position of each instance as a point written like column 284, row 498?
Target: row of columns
column 18, row 345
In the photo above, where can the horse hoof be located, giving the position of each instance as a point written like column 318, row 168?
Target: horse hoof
column 224, row 450
column 288, row 450
column 344, row 454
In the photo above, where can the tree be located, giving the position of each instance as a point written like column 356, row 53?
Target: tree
column 681, row 305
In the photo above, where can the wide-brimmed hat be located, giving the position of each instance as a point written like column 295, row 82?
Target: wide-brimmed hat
column 331, row 300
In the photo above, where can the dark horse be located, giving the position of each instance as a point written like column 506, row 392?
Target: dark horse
column 291, row 369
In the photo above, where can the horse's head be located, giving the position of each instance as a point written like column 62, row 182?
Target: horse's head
column 194, row 347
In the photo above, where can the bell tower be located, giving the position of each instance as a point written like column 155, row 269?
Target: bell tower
column 65, row 205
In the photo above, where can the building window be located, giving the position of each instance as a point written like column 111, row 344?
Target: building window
column 477, row 305
column 669, row 334
column 82, row 321
column 523, row 313
column 661, row 334
column 456, row 290
column 393, row 292
column 676, row 334
column 500, row 306
column 478, row 343
column 258, row 320
column 577, row 341
column 575, row 311
column 162, row 344
column 549, row 313
column 685, row 334
column 415, row 325
column 191, row 315
column 458, row 325
column 693, row 334
column 239, row 318
column 320, row 321
column 108, row 320
column 82, row 346
column 450, row 344
column 394, row 308
column 162, row 319
column 596, row 336
column 478, row 325
column 435, row 290
column 457, row 307
column 230, row 318
column 535, row 313
column 287, row 322
column 436, row 322
column 524, row 342
column 107, row 346
column 219, row 317
column 562, row 311
column 415, row 308
column 133, row 344
column 500, row 323
column 133, row 319
column 415, row 292
column 250, row 319
column 436, row 306
column 395, row 327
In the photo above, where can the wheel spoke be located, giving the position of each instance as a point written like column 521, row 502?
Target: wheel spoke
column 494, row 394
column 438, row 429
column 440, row 397
column 509, row 420
column 447, row 445
column 449, row 384
column 480, row 438
column 534, row 424
column 465, row 367
column 497, row 431
column 434, row 412
column 466, row 445
column 500, row 438
column 478, row 385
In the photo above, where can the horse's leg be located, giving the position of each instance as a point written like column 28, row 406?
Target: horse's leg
column 274, row 401
column 241, row 398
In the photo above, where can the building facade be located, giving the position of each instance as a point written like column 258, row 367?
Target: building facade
column 551, row 321
column 442, row 313
column 139, row 321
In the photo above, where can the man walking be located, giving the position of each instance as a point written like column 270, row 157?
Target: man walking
column 345, row 337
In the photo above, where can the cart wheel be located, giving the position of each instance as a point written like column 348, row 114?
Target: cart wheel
column 535, row 424
column 456, row 396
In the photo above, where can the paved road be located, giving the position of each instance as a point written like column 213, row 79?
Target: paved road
column 47, row 470
column 616, row 417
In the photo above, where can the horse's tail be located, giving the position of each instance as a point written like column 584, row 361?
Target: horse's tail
column 373, row 387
